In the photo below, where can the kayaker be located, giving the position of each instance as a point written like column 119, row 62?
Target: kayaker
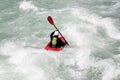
column 55, row 40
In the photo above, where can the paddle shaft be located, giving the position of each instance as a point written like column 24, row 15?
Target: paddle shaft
column 60, row 33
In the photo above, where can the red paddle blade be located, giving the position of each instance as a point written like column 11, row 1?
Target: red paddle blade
column 50, row 20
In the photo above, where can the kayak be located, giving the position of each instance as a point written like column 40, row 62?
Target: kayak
column 47, row 47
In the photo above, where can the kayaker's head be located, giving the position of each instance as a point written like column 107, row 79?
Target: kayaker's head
column 56, row 34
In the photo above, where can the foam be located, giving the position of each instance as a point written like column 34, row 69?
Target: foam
column 23, row 61
column 110, row 71
column 27, row 5
column 81, row 57
column 96, row 20
column 116, row 6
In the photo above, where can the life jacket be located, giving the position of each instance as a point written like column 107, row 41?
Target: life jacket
column 54, row 41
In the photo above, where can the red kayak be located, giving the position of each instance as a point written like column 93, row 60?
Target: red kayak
column 47, row 47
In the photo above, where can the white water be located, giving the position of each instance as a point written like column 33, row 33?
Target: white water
column 92, row 55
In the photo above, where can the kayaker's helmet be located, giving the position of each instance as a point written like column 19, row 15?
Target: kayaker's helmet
column 56, row 33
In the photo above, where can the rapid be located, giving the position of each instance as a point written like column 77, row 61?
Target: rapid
column 91, row 27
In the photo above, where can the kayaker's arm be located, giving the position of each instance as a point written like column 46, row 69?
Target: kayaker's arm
column 51, row 35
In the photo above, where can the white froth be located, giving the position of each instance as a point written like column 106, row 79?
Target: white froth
column 23, row 59
column 27, row 5
column 96, row 20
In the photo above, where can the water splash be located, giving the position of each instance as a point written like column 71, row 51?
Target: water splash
column 27, row 5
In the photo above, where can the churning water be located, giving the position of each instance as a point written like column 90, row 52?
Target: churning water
column 91, row 27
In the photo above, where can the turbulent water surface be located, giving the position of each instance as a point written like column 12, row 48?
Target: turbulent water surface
column 91, row 27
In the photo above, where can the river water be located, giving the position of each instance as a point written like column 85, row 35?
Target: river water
column 91, row 27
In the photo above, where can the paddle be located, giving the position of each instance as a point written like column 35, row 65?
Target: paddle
column 50, row 20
